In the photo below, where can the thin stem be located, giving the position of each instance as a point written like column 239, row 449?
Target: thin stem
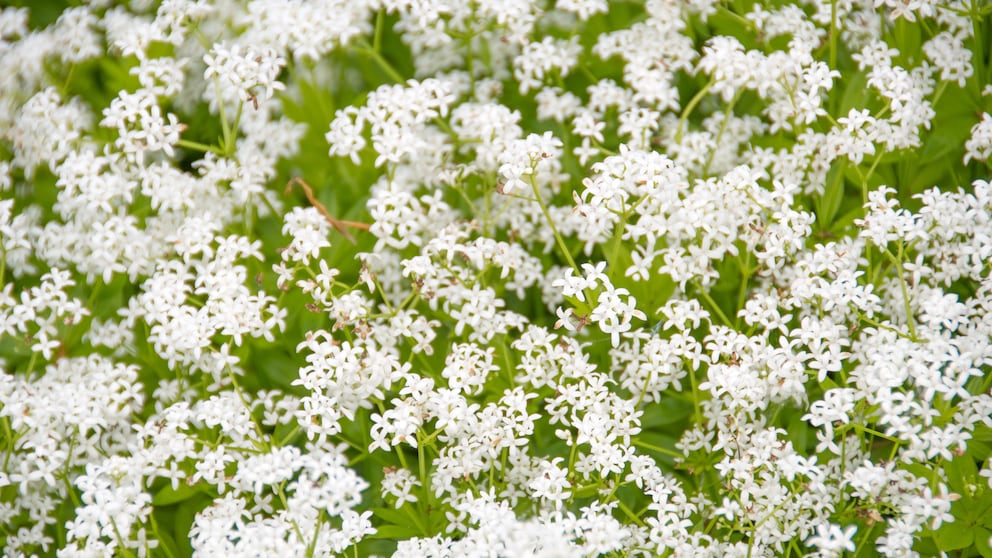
column 230, row 142
column 905, row 292
column 713, row 306
column 697, row 407
column 158, row 536
column 690, row 107
column 979, row 50
column 224, row 125
column 383, row 64
column 658, row 449
column 551, row 223
column 745, row 280
column 202, row 147
column 719, row 135
column 425, row 480
column 380, row 20
column 833, row 33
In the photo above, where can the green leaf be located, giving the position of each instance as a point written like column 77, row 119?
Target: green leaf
column 927, row 176
column 399, row 524
column 185, row 515
column 653, row 439
column 586, row 491
column 846, row 220
column 982, row 537
column 978, row 508
column 954, row 536
column 725, row 22
column 649, row 294
column 907, row 38
column 828, row 204
column 855, row 94
column 395, row 532
column 391, row 515
column 949, row 134
column 979, row 450
column 165, row 538
column 668, row 411
column 578, row 307
column 168, row 495
column 984, row 506
column 961, row 472
column 799, row 432
column 983, row 433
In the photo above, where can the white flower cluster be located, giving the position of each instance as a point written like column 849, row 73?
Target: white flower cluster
column 244, row 73
column 660, row 279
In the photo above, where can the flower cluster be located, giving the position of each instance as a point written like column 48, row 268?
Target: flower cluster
column 496, row 277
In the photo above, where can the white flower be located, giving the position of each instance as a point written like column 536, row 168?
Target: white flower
column 583, row 8
column 541, row 58
column 551, row 482
column 243, row 73
column 979, row 144
column 614, row 311
column 399, row 484
column 141, row 126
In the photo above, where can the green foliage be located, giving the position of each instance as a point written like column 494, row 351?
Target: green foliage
column 341, row 188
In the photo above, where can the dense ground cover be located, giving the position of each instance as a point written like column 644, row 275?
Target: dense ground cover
column 496, row 277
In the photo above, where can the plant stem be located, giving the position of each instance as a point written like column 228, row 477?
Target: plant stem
column 202, row 147
column 551, row 223
column 690, row 107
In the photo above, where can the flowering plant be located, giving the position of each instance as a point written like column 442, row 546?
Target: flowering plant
column 496, row 278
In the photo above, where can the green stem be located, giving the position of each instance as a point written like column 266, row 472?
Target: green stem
column 863, row 543
column 866, row 430
column 383, row 64
column 979, row 50
column 31, row 363
column 121, row 549
column 690, row 107
column 879, row 325
column 380, row 20
column 615, row 248
column 719, row 135
column 425, row 480
column 940, row 91
column 224, row 124
column 630, row 513
column 261, row 443
column 697, row 407
column 865, row 177
column 745, row 280
column 158, row 536
column 292, row 434
column 833, row 33
column 231, row 140
column 713, row 306
column 281, row 494
column 658, row 449
column 202, row 147
column 905, row 292
column 554, row 230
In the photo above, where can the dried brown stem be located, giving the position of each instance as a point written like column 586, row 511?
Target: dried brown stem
column 338, row 224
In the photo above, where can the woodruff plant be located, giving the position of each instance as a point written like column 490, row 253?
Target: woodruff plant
column 496, row 278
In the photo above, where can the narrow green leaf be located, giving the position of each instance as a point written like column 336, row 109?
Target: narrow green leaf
column 833, row 195
column 855, row 94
